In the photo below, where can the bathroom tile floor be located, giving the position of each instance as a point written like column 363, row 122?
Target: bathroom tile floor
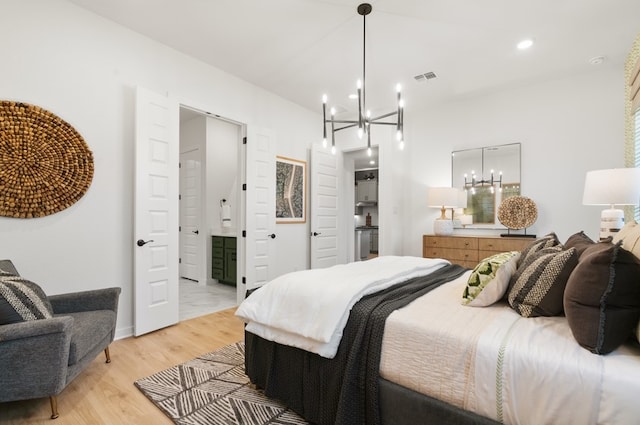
column 197, row 300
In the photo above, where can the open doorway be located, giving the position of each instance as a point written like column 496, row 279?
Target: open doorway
column 363, row 170
column 209, row 176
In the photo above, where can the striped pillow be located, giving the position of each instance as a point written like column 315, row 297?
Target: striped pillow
column 546, row 241
column 539, row 287
column 22, row 300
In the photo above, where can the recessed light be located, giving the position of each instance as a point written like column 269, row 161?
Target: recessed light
column 598, row 60
column 372, row 162
column 525, row 44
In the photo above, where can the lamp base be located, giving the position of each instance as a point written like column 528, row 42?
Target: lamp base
column 611, row 221
column 443, row 227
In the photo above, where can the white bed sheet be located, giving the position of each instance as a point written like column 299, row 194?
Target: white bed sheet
column 309, row 309
column 491, row 361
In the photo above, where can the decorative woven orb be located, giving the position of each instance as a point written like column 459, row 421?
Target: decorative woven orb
column 45, row 164
column 517, row 212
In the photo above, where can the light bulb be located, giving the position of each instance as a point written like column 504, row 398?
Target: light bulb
column 401, row 145
column 333, row 150
column 324, row 98
column 398, row 135
column 359, row 84
column 398, row 88
column 369, row 152
column 401, row 103
column 360, row 133
column 333, row 112
column 324, row 143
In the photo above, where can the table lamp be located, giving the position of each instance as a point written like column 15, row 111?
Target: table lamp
column 443, row 198
column 612, row 187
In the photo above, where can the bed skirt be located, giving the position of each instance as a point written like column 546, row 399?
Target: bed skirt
column 270, row 362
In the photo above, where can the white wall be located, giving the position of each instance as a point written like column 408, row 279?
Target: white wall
column 85, row 69
column 566, row 127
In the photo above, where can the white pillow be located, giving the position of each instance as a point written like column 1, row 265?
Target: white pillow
column 489, row 280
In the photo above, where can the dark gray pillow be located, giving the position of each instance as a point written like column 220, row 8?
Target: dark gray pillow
column 22, row 300
column 602, row 297
column 538, row 289
column 579, row 241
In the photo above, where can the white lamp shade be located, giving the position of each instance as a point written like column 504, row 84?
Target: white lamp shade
column 443, row 197
column 616, row 186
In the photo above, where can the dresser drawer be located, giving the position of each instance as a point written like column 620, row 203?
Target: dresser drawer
column 450, row 242
column 502, row 244
column 452, row 254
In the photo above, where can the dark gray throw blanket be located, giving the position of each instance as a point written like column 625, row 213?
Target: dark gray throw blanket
column 342, row 390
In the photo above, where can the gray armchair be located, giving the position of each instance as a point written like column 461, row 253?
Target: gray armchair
column 40, row 358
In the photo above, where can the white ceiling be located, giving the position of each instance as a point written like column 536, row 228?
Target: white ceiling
column 300, row 49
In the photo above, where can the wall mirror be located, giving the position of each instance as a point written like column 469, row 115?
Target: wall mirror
column 488, row 175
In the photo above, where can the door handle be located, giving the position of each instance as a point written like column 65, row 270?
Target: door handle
column 316, row 233
column 196, row 232
column 141, row 242
column 272, row 236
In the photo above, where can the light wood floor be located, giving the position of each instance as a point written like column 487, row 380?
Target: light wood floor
column 105, row 394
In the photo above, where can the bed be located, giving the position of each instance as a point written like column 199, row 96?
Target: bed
column 411, row 352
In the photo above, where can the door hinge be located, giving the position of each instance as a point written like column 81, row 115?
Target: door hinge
column 179, row 164
column 244, row 186
column 244, row 140
column 179, row 228
column 244, row 233
column 179, row 197
column 244, row 279
column 179, row 260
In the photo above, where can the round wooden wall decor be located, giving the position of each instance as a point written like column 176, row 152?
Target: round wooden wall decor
column 45, row 164
column 517, row 212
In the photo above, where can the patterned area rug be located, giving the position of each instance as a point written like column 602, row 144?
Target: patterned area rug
column 213, row 389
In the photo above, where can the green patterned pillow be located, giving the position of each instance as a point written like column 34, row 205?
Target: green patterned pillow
column 489, row 280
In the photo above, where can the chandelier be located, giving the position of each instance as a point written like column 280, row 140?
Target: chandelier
column 475, row 182
column 365, row 121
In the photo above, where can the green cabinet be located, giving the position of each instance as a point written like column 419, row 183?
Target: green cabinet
column 223, row 259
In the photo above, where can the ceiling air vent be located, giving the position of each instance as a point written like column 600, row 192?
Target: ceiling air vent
column 426, row 76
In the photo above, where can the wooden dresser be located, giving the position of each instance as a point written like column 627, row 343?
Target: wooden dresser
column 469, row 250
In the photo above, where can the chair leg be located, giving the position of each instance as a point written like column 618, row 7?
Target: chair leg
column 54, row 407
column 106, row 353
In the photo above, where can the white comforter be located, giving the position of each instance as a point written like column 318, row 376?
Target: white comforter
column 516, row 370
column 309, row 309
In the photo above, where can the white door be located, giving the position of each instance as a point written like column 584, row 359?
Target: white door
column 260, row 207
column 156, row 212
column 190, row 194
column 324, row 207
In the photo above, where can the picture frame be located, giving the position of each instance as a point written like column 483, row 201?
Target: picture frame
column 291, row 190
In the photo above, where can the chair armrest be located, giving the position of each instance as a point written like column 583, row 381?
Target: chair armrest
column 35, row 328
column 99, row 299
column 34, row 357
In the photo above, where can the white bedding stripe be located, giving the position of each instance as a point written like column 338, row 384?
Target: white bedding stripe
column 315, row 304
column 440, row 348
